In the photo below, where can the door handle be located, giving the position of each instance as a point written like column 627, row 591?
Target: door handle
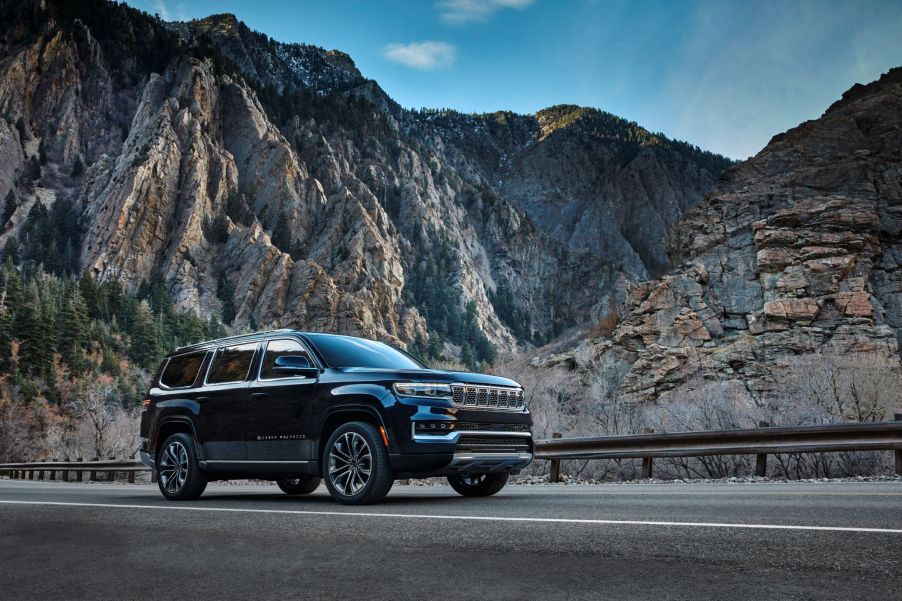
column 259, row 395
column 202, row 398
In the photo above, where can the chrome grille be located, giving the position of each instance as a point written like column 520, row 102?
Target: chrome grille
column 487, row 397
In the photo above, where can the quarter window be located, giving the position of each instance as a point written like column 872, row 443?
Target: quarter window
column 280, row 348
column 231, row 364
column 181, row 371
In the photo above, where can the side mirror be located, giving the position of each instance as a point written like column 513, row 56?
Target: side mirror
column 295, row 365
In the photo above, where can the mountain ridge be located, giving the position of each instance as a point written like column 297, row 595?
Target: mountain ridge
column 790, row 265
column 311, row 195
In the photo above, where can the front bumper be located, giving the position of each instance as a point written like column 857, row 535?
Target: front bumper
column 465, row 453
column 480, row 463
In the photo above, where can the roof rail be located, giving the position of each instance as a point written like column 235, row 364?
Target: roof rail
column 234, row 338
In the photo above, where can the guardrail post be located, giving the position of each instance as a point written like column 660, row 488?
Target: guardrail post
column 647, row 462
column 898, row 417
column 761, row 458
column 131, row 477
column 555, row 475
column 53, row 471
column 78, row 474
column 111, row 475
column 93, row 475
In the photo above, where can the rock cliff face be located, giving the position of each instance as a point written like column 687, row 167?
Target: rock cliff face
column 796, row 251
column 215, row 155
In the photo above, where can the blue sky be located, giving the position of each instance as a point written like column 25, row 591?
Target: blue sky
column 724, row 74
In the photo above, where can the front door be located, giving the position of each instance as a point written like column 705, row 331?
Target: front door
column 279, row 410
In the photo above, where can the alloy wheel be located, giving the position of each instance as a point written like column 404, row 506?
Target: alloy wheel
column 472, row 479
column 350, row 463
column 174, row 467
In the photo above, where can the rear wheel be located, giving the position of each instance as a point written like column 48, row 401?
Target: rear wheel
column 355, row 465
column 478, row 485
column 179, row 475
column 302, row 485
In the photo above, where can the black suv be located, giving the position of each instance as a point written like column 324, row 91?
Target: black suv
column 298, row 407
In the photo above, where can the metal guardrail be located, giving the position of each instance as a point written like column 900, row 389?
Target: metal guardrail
column 37, row 470
column 762, row 441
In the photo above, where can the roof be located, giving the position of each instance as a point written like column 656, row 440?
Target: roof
column 251, row 337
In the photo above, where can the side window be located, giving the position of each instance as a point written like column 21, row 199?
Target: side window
column 280, row 348
column 231, row 364
column 181, row 371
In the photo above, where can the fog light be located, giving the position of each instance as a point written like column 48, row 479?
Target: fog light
column 433, row 427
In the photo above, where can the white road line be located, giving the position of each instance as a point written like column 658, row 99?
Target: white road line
column 480, row 518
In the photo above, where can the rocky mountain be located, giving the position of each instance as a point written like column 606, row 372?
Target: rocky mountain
column 273, row 184
column 794, row 256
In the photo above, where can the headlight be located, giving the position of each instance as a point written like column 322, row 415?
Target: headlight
column 427, row 391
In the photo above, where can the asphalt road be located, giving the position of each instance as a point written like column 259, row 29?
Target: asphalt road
column 705, row 541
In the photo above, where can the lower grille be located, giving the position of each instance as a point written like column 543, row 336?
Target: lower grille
column 485, row 444
column 487, row 427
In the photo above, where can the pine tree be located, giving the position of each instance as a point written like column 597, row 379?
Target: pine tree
column 73, row 333
column 193, row 329
column 88, row 288
column 110, row 363
column 145, row 347
column 35, row 354
column 226, row 293
column 6, row 334
column 11, row 250
column 32, row 171
column 436, row 345
column 11, row 285
column 9, row 206
column 467, row 357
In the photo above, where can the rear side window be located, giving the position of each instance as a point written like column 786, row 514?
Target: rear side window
column 181, row 371
column 280, row 348
column 231, row 364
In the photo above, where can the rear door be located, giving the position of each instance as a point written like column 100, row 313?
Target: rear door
column 279, row 412
column 222, row 400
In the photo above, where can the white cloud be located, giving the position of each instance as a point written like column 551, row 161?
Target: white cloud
column 421, row 55
column 458, row 12
column 162, row 9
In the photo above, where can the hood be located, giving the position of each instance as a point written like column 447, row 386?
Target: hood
column 434, row 375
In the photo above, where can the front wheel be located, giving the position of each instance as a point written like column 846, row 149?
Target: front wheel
column 478, row 485
column 302, row 485
column 179, row 475
column 355, row 465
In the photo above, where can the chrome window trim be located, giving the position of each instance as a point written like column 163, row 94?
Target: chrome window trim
column 163, row 386
column 216, row 351
column 298, row 379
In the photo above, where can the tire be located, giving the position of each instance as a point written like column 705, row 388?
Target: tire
column 180, row 477
column 302, row 485
column 353, row 449
column 478, row 485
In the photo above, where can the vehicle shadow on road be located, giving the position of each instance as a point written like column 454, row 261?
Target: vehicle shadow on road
column 321, row 499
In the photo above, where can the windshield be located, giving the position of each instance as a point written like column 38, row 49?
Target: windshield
column 345, row 351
